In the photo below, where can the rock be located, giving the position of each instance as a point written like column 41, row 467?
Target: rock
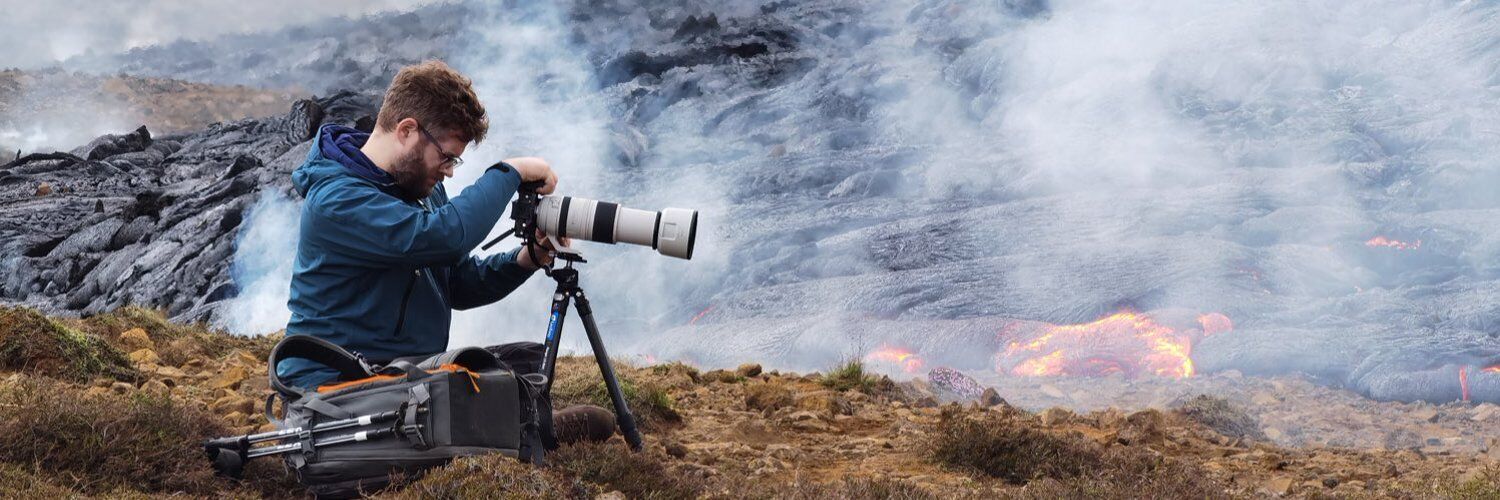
column 156, row 387
column 237, row 419
column 748, row 370
column 229, row 378
column 613, row 495
column 675, row 449
column 171, row 372
column 136, row 338
column 144, row 357
column 1279, row 485
column 234, row 403
column 1056, row 416
column 767, row 397
column 925, row 402
column 826, row 403
column 120, row 388
column 990, row 397
column 1425, row 413
column 1484, row 412
column 1263, row 399
column 721, row 376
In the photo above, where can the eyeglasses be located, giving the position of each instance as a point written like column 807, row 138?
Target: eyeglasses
column 450, row 158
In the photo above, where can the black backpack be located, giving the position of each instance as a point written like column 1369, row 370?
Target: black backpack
column 406, row 417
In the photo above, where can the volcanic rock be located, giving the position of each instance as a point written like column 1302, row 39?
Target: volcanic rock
column 748, row 370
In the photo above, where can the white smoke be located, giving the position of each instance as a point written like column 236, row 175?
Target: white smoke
column 264, row 253
column 37, row 34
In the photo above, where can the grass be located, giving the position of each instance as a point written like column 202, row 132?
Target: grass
column 851, row 374
column 578, row 382
column 614, row 467
column 1010, row 448
column 492, row 476
column 30, row 342
column 94, row 443
column 175, row 343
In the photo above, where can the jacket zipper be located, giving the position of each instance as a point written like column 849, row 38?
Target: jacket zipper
column 401, row 317
column 406, row 297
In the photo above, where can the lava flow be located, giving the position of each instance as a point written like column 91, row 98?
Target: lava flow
column 1381, row 241
column 1126, row 343
column 908, row 361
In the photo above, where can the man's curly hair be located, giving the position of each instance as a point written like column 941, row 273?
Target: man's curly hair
column 439, row 98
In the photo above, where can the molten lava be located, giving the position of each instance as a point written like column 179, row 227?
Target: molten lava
column 1463, row 382
column 700, row 314
column 1381, row 241
column 1495, row 369
column 1126, row 343
column 908, row 361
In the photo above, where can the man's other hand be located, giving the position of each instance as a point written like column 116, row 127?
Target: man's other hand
column 535, row 169
column 543, row 251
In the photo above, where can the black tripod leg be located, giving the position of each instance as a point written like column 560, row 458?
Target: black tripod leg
column 622, row 411
column 554, row 336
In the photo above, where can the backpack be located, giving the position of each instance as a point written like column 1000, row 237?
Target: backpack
column 404, row 417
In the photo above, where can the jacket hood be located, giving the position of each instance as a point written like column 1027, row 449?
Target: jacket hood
column 336, row 152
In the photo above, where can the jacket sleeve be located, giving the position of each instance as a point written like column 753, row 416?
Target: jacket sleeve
column 364, row 223
column 478, row 281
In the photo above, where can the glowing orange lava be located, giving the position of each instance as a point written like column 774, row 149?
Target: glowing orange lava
column 1381, row 241
column 700, row 314
column 908, row 361
column 1126, row 343
column 1463, row 382
column 1495, row 369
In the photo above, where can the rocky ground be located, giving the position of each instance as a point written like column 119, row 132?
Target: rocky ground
column 138, row 392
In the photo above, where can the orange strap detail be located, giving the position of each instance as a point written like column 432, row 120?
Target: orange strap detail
column 447, row 367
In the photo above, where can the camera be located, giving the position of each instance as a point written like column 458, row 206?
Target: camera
column 671, row 232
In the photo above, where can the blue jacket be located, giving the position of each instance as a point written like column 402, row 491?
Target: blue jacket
column 379, row 275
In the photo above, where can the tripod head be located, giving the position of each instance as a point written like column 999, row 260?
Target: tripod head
column 523, row 211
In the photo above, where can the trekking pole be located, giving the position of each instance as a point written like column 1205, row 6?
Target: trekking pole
column 229, row 454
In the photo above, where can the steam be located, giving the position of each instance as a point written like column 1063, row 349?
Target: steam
column 37, row 35
column 264, row 253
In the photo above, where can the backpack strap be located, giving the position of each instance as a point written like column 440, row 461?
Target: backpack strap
column 474, row 358
column 349, row 365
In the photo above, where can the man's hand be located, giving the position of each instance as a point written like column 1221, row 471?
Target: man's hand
column 543, row 250
column 535, row 169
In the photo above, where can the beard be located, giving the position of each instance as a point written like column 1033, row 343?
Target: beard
column 411, row 177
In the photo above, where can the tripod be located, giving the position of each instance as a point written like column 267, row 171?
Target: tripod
column 567, row 292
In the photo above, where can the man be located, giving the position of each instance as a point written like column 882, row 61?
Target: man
column 383, row 256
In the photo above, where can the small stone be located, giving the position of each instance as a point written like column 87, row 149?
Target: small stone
column 156, row 387
column 136, row 338
column 120, row 388
column 675, row 449
column 229, row 378
column 144, row 357
column 826, row 403
column 990, row 397
column 925, row 402
column 1426, row 413
column 237, row 419
column 802, row 415
column 1331, row 482
column 748, row 370
column 171, row 372
column 43, row 189
column 1279, row 485
column 613, row 495
column 233, row 404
